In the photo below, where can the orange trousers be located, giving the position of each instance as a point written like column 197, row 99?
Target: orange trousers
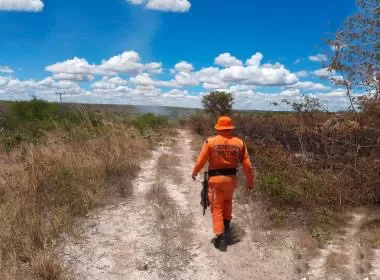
column 221, row 190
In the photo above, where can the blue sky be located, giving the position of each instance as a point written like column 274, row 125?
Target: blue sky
column 169, row 52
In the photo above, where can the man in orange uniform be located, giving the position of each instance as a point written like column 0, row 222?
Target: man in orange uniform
column 223, row 152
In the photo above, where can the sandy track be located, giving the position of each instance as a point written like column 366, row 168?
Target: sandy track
column 127, row 241
column 116, row 240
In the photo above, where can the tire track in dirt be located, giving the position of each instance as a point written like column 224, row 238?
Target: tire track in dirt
column 117, row 240
column 345, row 258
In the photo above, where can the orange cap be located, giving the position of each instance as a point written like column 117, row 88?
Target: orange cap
column 224, row 123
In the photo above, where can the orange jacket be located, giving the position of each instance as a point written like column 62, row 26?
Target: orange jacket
column 225, row 151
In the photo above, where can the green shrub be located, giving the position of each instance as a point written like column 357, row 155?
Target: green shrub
column 278, row 189
column 28, row 121
column 150, row 122
column 34, row 110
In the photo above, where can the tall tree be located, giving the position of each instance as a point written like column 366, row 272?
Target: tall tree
column 218, row 103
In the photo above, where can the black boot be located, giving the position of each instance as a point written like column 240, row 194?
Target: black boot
column 220, row 242
column 227, row 231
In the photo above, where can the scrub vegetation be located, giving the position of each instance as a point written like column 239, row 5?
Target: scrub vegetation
column 311, row 161
column 57, row 163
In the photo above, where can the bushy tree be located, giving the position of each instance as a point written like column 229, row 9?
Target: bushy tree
column 218, row 103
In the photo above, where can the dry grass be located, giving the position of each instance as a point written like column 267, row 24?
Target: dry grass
column 44, row 189
column 44, row 266
column 169, row 162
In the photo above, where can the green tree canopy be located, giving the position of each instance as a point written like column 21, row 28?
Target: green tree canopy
column 218, row 103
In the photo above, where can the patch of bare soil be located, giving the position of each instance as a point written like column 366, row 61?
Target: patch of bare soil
column 348, row 256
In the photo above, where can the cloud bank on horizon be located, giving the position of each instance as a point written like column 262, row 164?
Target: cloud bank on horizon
column 127, row 79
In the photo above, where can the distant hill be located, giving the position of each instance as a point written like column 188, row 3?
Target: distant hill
column 133, row 110
column 128, row 110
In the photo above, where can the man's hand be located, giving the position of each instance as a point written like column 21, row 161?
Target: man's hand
column 194, row 177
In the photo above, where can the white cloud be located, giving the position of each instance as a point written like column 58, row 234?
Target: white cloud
column 242, row 91
column 339, row 92
column 154, row 67
column 265, row 75
column 117, row 81
column 239, row 88
column 227, row 60
column 176, row 93
column 255, row 60
column 67, row 85
column 149, row 91
column 309, row 86
column 209, row 86
column 318, row 57
column 5, row 69
column 209, row 75
column 164, row 5
column 277, row 65
column 183, row 66
column 169, row 5
column 324, row 72
column 211, row 79
column 3, row 81
column 268, row 75
column 185, row 79
column 290, row 93
column 143, row 80
column 72, row 77
column 127, row 62
column 21, row 5
column 77, row 67
column 15, row 89
column 109, row 83
column 302, row 74
column 297, row 61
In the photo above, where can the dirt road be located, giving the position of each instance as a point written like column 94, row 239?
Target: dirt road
column 160, row 233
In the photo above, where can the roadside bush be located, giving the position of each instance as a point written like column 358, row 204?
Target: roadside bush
column 150, row 122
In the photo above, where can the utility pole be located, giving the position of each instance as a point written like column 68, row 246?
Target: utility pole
column 60, row 96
